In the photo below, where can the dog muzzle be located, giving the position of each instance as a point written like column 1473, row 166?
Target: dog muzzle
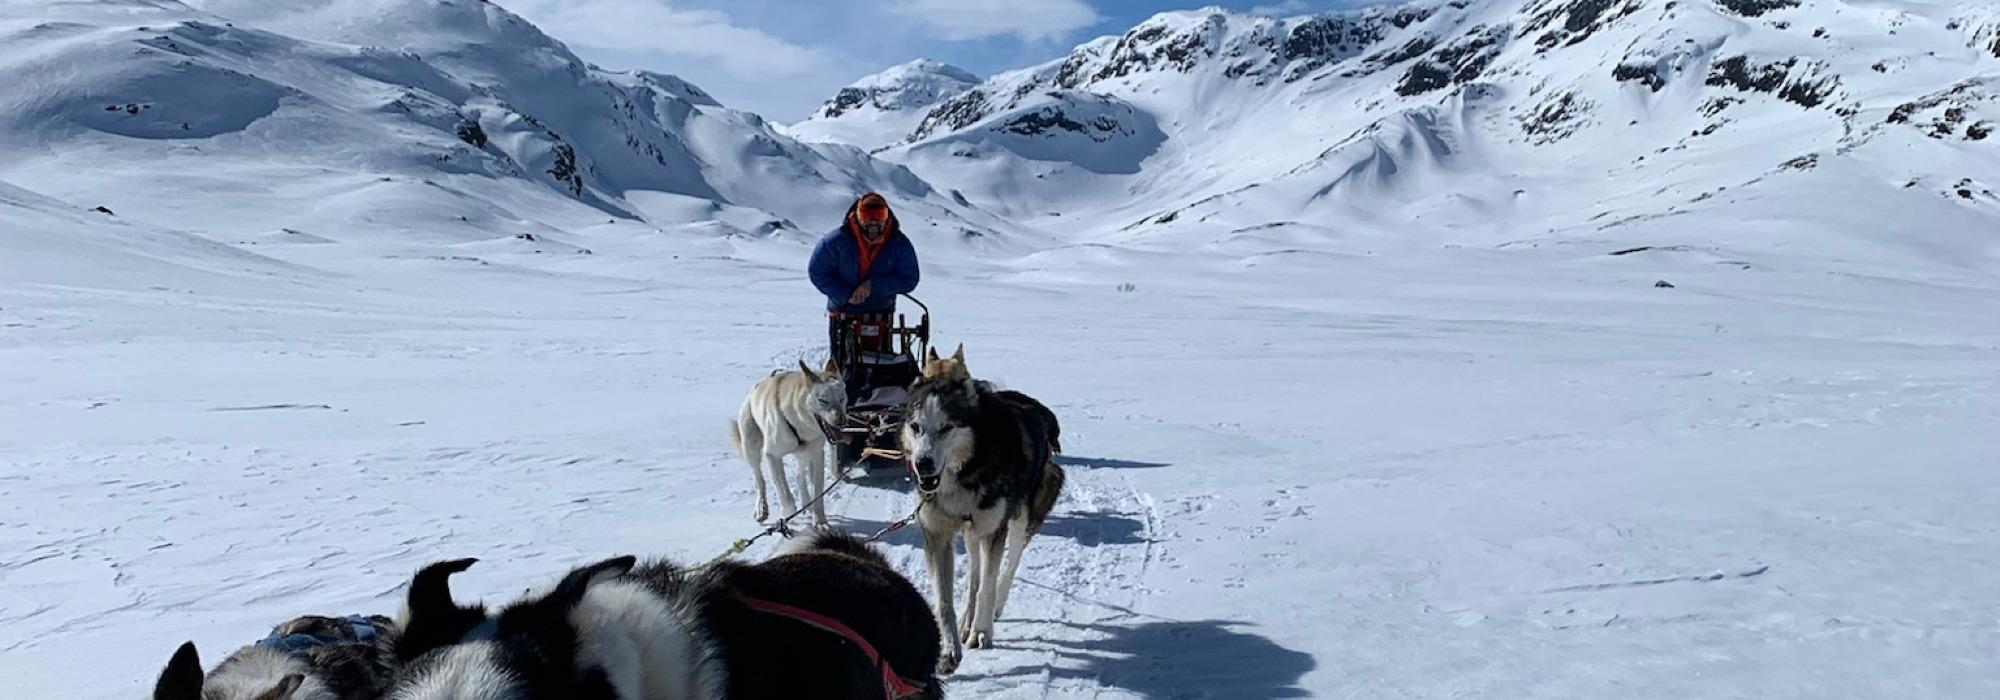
column 833, row 432
column 926, row 474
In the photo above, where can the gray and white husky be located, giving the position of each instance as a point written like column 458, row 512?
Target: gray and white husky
column 984, row 457
column 307, row 658
column 791, row 413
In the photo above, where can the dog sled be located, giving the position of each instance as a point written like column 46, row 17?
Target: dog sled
column 878, row 357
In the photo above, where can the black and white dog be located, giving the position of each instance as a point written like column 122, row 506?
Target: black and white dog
column 828, row 619
column 307, row 658
column 984, row 460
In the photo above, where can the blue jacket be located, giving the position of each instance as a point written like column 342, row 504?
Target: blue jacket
column 836, row 270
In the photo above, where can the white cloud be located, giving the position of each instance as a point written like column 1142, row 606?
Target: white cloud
column 977, row 19
column 1284, row 9
column 656, row 27
column 1294, row 8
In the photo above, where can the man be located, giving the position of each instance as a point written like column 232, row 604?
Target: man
column 861, row 267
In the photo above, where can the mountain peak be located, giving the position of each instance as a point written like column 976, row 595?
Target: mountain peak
column 914, row 85
column 880, row 109
column 918, row 69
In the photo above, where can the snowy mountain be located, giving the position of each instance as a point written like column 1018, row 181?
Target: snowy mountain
column 1465, row 349
column 881, row 110
column 1494, row 122
column 442, row 120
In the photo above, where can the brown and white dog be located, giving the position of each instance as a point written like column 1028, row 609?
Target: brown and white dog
column 984, row 458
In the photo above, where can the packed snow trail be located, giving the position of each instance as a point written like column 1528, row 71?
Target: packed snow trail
column 1435, row 474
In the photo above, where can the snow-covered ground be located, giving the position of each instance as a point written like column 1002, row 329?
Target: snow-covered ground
column 1421, row 473
column 1381, row 405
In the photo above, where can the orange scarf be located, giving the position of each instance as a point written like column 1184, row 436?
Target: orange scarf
column 868, row 251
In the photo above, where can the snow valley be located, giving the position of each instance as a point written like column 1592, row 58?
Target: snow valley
column 1489, row 348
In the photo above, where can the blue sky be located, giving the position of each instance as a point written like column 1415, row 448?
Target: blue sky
column 782, row 58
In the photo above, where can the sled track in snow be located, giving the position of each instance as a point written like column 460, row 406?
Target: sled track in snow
column 1084, row 573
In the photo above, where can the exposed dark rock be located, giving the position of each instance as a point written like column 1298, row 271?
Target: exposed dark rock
column 1041, row 121
column 1404, row 17
column 1755, row 7
column 470, row 132
column 565, row 171
column 954, row 114
column 1645, row 71
column 1776, row 78
column 1959, row 105
column 1580, row 19
column 1459, row 63
column 844, row 101
column 1150, row 48
column 1558, row 118
column 1414, row 48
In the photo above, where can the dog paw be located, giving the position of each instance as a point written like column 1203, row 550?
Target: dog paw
column 979, row 640
column 763, row 513
column 947, row 663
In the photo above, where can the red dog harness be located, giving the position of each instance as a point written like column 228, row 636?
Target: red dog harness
column 893, row 686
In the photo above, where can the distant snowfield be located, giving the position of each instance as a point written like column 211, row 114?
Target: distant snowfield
column 1374, row 398
column 1420, row 473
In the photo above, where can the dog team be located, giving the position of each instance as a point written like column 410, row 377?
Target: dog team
column 826, row 617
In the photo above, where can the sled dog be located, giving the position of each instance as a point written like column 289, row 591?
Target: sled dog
column 984, row 460
column 791, row 413
column 307, row 658
column 826, row 618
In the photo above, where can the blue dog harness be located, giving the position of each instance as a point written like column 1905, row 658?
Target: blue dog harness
column 301, row 643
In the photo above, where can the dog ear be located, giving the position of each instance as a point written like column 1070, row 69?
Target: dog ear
column 832, row 367
column 958, row 355
column 431, row 619
column 181, row 679
column 570, row 592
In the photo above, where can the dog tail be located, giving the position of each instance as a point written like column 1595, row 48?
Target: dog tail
column 835, row 542
column 746, row 438
column 1045, row 496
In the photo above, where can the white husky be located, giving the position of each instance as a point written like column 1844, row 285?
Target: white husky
column 791, row 413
